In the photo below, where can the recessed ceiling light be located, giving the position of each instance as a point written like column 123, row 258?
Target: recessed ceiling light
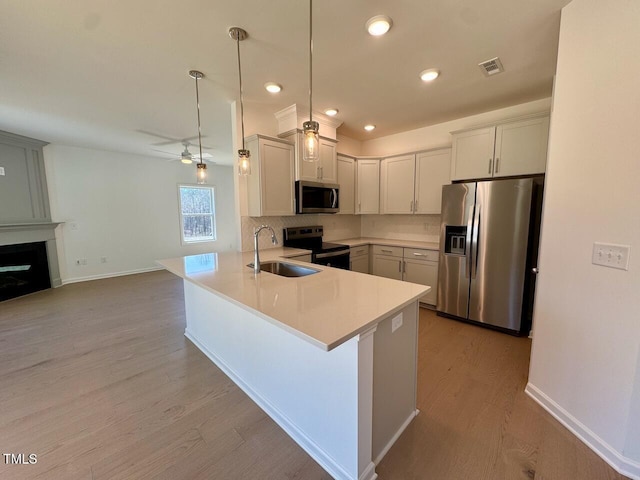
column 379, row 25
column 429, row 75
column 368, row 128
column 273, row 87
column 332, row 112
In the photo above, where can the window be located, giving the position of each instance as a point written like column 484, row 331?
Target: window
column 197, row 214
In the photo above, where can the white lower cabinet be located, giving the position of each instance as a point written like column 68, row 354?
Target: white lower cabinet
column 415, row 265
column 359, row 259
column 421, row 266
column 387, row 261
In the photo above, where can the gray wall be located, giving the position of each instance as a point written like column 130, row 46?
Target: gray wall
column 23, row 187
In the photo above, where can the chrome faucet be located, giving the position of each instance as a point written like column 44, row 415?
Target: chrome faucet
column 256, row 255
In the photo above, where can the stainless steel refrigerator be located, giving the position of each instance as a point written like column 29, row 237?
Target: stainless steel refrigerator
column 488, row 252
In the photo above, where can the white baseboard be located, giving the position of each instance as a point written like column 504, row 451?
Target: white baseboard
column 620, row 463
column 369, row 472
column 110, row 275
column 308, row 445
column 395, row 437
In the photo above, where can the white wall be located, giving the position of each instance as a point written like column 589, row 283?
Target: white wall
column 348, row 145
column 586, row 337
column 436, row 136
column 125, row 208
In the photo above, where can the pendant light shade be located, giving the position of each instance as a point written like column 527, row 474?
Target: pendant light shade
column 201, row 173
column 311, row 143
column 244, row 162
column 244, row 156
column 201, row 176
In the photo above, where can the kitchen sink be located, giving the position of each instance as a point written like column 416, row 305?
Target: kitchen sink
column 285, row 269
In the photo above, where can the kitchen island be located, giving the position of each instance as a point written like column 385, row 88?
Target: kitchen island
column 331, row 356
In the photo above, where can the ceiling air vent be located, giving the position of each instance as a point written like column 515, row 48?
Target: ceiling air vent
column 491, row 67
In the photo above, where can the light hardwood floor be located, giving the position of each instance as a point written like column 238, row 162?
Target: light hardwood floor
column 98, row 380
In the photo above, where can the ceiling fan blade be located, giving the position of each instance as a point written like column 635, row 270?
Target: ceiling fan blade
column 173, row 154
column 146, row 132
column 177, row 140
column 205, row 155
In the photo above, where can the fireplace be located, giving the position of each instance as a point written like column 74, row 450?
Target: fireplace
column 24, row 268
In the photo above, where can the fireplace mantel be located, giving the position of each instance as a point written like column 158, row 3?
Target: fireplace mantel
column 29, row 226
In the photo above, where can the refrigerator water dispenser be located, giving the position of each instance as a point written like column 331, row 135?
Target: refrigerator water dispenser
column 455, row 240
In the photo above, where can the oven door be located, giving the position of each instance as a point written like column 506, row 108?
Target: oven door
column 338, row 259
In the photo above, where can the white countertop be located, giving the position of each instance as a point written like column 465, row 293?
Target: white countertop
column 326, row 308
column 354, row 242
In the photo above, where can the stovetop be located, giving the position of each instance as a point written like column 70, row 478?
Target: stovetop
column 310, row 238
column 331, row 247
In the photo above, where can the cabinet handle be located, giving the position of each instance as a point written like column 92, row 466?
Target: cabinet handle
column 497, row 165
column 386, row 251
column 415, row 206
column 399, row 266
column 404, row 267
column 411, row 207
column 490, row 160
column 359, row 207
column 419, row 254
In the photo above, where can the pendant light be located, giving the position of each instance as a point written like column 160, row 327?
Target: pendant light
column 311, row 143
column 201, row 174
column 244, row 155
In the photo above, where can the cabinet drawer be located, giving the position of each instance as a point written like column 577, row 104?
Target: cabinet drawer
column 389, row 251
column 421, row 254
column 359, row 251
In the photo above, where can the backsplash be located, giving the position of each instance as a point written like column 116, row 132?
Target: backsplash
column 422, row 228
column 335, row 227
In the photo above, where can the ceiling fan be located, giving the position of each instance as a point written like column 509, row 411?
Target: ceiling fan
column 171, row 140
column 186, row 156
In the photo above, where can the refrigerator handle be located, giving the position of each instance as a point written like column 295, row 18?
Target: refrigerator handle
column 475, row 242
column 467, row 273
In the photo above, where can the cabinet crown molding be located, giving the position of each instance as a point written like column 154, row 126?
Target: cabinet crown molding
column 545, row 113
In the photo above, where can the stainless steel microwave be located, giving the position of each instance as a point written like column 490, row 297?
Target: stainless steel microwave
column 314, row 197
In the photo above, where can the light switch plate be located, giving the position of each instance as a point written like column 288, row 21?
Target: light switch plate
column 1, row 170
column 611, row 255
column 396, row 322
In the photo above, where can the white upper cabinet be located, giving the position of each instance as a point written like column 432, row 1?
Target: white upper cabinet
column 347, row 182
column 397, row 176
column 413, row 183
column 473, row 154
column 270, row 185
column 325, row 170
column 433, row 170
column 510, row 148
column 367, row 186
column 521, row 147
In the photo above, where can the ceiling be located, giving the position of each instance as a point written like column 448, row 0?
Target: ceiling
column 107, row 75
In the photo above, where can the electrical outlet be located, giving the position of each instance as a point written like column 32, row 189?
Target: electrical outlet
column 396, row 322
column 611, row 255
column 1, row 170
